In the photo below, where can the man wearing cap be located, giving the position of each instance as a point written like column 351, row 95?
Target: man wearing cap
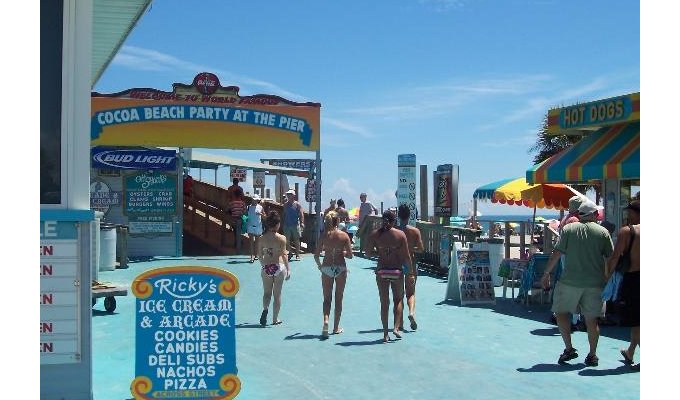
column 255, row 212
column 293, row 223
column 365, row 209
column 586, row 245
column 628, row 241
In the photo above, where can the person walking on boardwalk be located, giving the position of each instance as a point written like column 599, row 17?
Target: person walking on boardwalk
column 391, row 247
column 275, row 268
column 587, row 245
column 336, row 247
column 254, row 229
column 293, row 223
column 237, row 207
column 415, row 245
column 628, row 243
column 365, row 209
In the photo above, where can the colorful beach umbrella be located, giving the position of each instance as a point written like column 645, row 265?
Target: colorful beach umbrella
column 519, row 192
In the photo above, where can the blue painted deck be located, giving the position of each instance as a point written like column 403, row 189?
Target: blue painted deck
column 506, row 350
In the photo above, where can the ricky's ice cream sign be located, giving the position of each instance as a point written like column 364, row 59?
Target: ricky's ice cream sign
column 593, row 115
column 203, row 114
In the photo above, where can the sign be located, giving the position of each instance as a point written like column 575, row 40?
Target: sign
column 594, row 114
column 310, row 191
column 258, row 179
column 406, row 185
column 60, row 324
column 443, row 196
column 237, row 173
column 204, row 114
column 185, row 334
column 116, row 158
column 444, row 251
column 474, row 277
column 102, row 197
column 150, row 192
column 297, row 163
column 150, row 224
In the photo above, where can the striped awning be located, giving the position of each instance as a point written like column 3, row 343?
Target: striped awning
column 611, row 152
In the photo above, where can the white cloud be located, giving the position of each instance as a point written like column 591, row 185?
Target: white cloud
column 139, row 58
column 346, row 126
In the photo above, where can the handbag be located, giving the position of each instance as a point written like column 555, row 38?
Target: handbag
column 623, row 265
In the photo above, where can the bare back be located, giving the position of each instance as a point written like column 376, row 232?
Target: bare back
column 272, row 249
column 336, row 246
column 414, row 239
column 392, row 248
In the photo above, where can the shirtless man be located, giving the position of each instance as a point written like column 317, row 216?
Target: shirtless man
column 629, row 292
column 391, row 247
column 415, row 245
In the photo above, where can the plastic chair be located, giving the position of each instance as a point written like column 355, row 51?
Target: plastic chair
column 531, row 281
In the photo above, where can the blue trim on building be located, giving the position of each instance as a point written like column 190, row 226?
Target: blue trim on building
column 67, row 215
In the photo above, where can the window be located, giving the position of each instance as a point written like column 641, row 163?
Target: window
column 51, row 41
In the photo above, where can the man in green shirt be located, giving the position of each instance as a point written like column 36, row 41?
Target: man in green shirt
column 586, row 246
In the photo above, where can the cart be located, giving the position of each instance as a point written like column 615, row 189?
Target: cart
column 108, row 292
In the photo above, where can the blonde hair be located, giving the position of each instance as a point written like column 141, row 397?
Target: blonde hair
column 331, row 219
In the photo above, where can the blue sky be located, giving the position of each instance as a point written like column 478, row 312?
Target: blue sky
column 454, row 82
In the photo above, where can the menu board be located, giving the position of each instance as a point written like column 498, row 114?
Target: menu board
column 474, row 277
column 185, row 334
column 60, row 340
column 150, row 192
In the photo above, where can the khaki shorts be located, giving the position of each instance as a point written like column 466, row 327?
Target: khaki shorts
column 575, row 300
column 291, row 233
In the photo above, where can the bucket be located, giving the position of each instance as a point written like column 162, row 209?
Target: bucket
column 107, row 248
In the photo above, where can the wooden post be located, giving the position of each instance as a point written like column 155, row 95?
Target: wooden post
column 507, row 239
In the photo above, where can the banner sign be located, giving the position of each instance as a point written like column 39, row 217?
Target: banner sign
column 115, row 158
column 474, row 277
column 406, row 187
column 150, row 192
column 443, row 191
column 306, row 164
column 204, row 115
column 141, row 224
column 185, row 345
column 238, row 173
column 597, row 113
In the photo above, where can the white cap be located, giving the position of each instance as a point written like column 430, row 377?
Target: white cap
column 587, row 208
column 256, row 197
column 291, row 191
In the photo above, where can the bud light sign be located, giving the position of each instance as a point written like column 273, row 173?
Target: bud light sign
column 117, row 158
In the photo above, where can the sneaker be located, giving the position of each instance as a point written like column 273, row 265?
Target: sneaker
column 592, row 360
column 567, row 354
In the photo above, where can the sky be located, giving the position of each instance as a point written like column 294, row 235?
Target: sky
column 452, row 81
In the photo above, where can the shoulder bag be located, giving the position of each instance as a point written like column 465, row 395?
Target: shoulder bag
column 623, row 265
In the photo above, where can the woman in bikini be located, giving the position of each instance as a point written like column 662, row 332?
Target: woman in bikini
column 336, row 246
column 391, row 247
column 275, row 268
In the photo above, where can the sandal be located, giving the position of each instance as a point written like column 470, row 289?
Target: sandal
column 591, row 360
column 567, row 354
column 414, row 325
column 626, row 360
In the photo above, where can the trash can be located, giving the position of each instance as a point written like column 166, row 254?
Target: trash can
column 107, row 247
column 121, row 245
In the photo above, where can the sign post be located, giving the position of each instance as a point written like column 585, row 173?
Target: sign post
column 406, row 189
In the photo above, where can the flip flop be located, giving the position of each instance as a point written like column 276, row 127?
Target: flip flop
column 279, row 322
column 324, row 331
column 626, row 360
column 339, row 331
column 414, row 325
column 397, row 334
